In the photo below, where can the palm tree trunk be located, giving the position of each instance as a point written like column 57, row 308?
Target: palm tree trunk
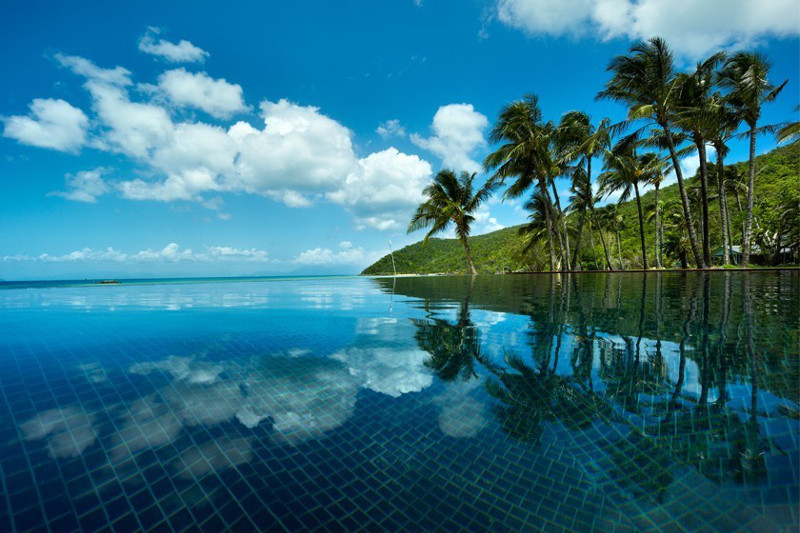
column 603, row 241
column 687, row 210
column 578, row 240
column 658, row 237
column 723, row 207
column 751, row 178
column 701, row 151
column 641, row 225
column 619, row 244
column 472, row 270
column 548, row 217
column 591, row 243
column 563, row 241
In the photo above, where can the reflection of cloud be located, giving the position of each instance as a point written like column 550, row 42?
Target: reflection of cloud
column 388, row 370
column 93, row 372
column 181, row 368
column 461, row 415
column 393, row 365
column 68, row 431
column 148, row 423
column 215, row 456
column 304, row 396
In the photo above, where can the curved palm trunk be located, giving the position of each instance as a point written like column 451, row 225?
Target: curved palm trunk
column 578, row 240
column 687, row 210
column 562, row 241
column 641, row 225
column 549, row 220
column 472, row 270
column 591, row 243
column 583, row 215
column 701, row 151
column 723, row 207
column 603, row 241
column 658, row 232
column 748, row 224
column 619, row 244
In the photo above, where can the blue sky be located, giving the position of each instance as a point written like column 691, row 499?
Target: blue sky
column 187, row 138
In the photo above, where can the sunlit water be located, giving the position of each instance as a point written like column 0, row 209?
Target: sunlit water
column 622, row 402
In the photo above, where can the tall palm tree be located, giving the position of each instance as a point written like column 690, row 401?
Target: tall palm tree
column 624, row 172
column 581, row 200
column 582, row 141
column 693, row 103
column 655, row 170
column 450, row 199
column 745, row 75
column 525, row 155
column 720, row 123
column 645, row 79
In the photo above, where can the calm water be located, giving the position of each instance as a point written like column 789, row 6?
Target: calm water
column 624, row 402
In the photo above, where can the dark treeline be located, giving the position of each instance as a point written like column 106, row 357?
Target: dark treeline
column 670, row 115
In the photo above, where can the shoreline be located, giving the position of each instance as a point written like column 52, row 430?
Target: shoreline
column 627, row 271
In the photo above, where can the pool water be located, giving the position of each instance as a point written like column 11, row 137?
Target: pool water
column 607, row 402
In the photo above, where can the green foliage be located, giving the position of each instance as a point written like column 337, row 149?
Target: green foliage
column 777, row 189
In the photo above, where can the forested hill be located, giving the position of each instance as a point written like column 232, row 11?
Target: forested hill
column 777, row 188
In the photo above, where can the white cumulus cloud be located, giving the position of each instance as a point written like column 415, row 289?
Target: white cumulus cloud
column 347, row 254
column 384, row 189
column 298, row 156
column 457, row 132
column 84, row 186
column 391, row 128
column 170, row 253
column 692, row 27
column 218, row 98
column 182, row 52
column 52, row 124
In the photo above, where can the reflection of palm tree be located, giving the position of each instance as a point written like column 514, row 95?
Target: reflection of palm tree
column 454, row 348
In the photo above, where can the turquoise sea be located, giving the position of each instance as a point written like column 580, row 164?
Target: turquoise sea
column 591, row 402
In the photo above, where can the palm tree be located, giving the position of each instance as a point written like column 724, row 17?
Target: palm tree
column 624, row 173
column 646, row 81
column 745, row 75
column 582, row 141
column 790, row 131
column 656, row 169
column 525, row 154
column 693, row 104
column 450, row 199
column 600, row 220
column 720, row 123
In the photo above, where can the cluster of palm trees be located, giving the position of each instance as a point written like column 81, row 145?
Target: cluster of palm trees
column 670, row 114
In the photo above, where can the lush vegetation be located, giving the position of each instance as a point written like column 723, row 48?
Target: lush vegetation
column 670, row 114
column 777, row 185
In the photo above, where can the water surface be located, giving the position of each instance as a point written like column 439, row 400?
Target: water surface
column 625, row 402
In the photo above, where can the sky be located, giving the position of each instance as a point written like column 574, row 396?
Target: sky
column 258, row 138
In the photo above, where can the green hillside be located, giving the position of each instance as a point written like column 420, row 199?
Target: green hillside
column 777, row 186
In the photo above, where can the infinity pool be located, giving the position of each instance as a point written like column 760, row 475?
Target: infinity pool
column 608, row 402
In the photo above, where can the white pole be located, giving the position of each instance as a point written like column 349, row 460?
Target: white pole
column 392, row 254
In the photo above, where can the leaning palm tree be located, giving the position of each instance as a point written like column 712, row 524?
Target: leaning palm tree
column 693, row 103
column 645, row 79
column 656, row 169
column 745, row 75
column 526, row 156
column 720, row 123
column 582, row 141
column 624, row 172
column 450, row 199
